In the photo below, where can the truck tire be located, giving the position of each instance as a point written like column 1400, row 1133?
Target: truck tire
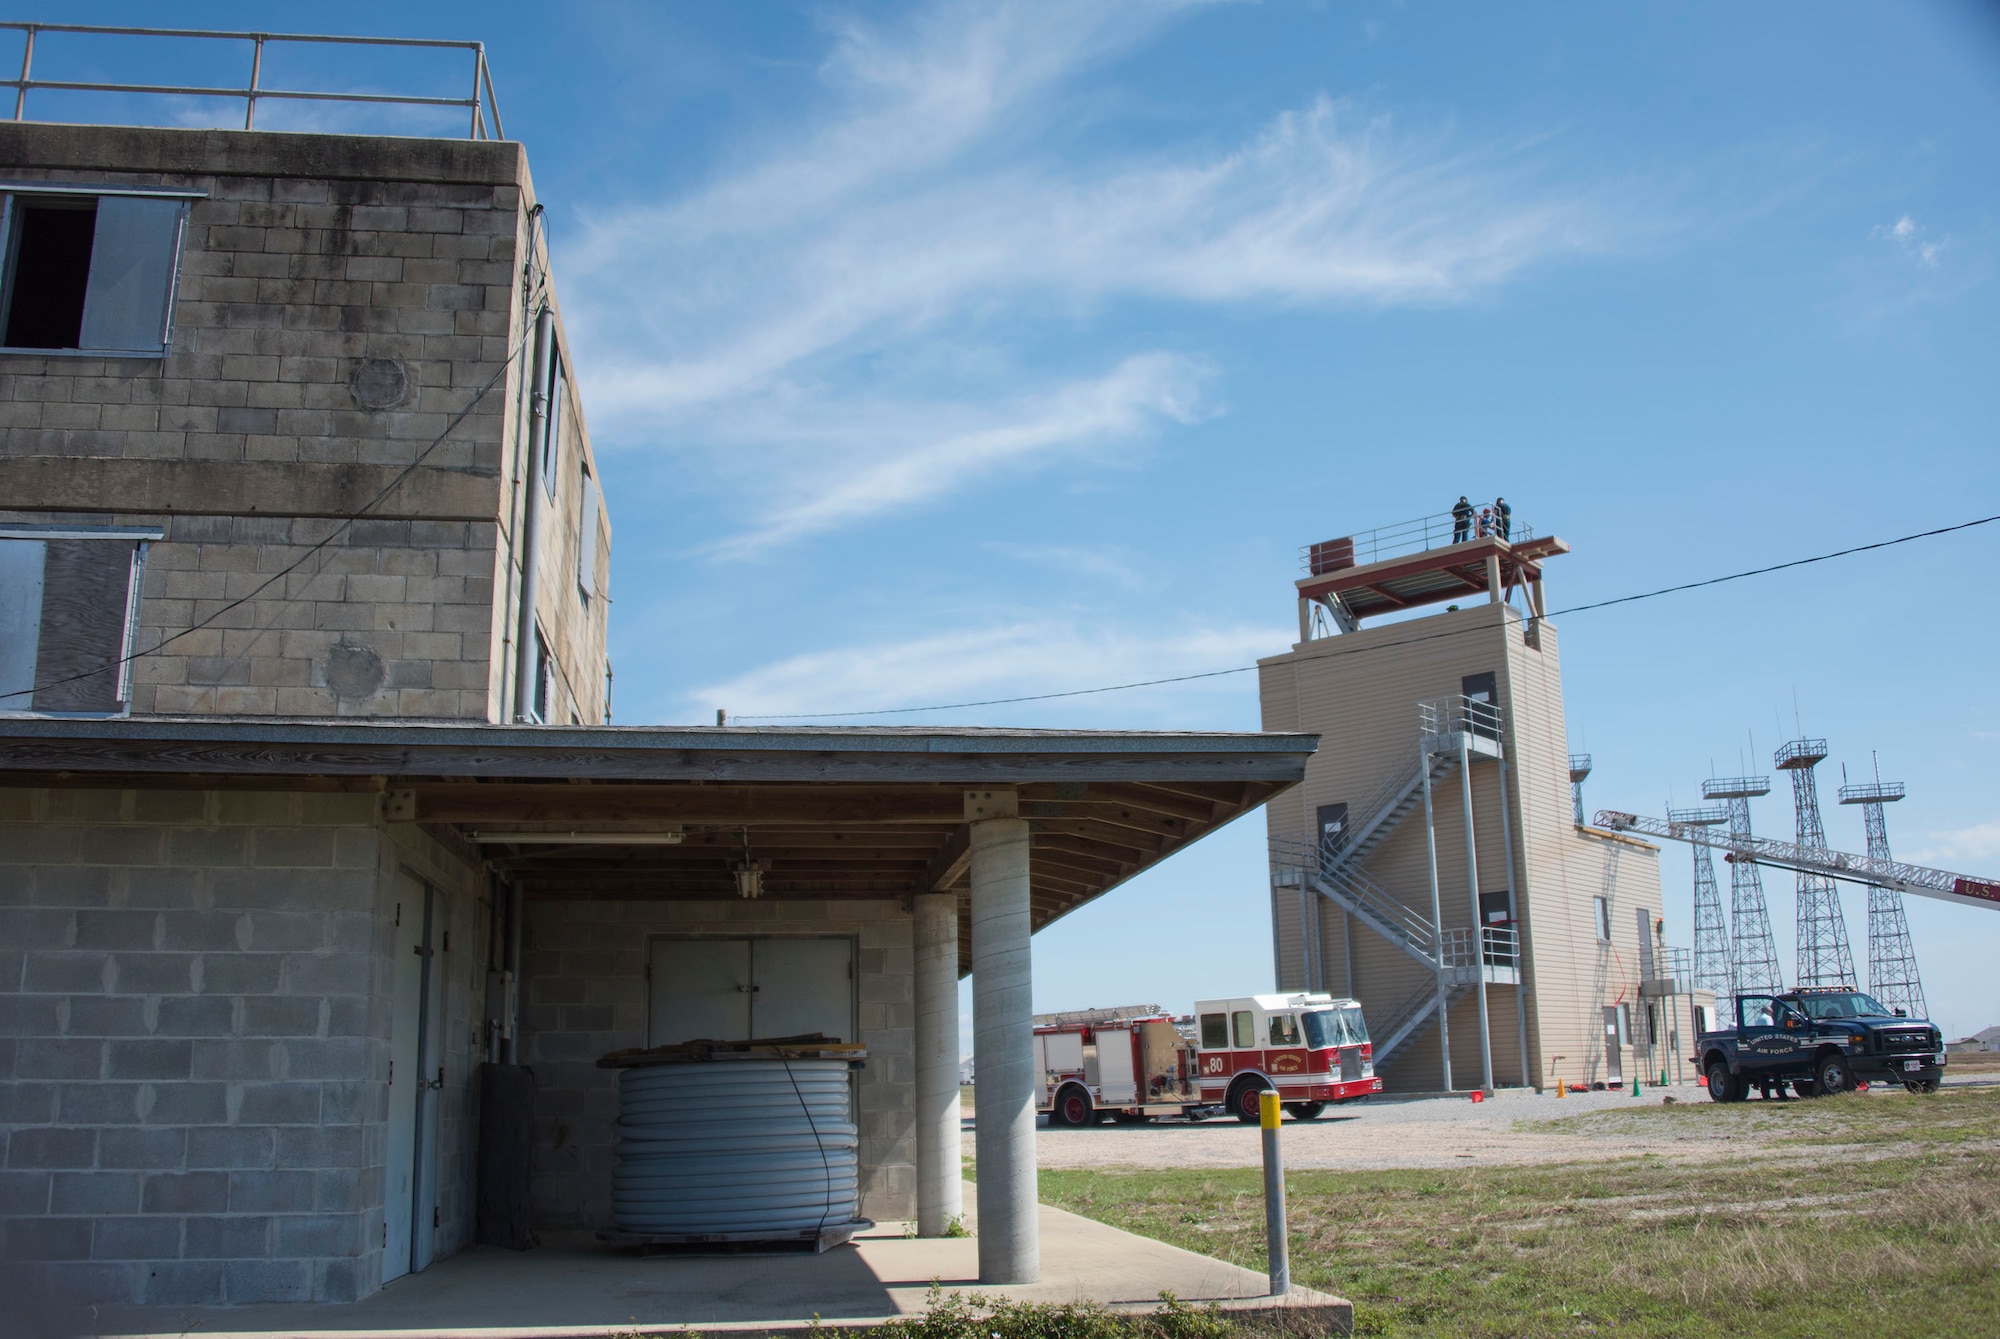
column 1246, row 1103
column 1305, row 1110
column 1724, row 1086
column 1072, row 1108
column 1835, row 1074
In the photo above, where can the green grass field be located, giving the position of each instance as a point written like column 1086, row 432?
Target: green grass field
column 1851, row 1215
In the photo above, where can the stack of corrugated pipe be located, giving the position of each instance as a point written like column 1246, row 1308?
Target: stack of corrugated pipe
column 735, row 1145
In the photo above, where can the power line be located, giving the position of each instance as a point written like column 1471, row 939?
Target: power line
column 1384, row 646
column 346, row 524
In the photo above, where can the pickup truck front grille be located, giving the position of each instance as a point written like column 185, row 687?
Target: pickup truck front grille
column 1918, row 1040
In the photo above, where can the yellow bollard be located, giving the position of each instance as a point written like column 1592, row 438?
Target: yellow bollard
column 1276, row 1234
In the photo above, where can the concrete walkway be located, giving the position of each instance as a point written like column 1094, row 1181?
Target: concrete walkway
column 578, row 1288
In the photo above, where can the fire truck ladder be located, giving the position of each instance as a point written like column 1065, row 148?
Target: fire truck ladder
column 1866, row 870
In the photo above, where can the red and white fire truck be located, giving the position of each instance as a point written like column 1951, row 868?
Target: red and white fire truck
column 1140, row 1062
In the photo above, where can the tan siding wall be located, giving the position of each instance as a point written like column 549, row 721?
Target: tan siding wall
column 1361, row 693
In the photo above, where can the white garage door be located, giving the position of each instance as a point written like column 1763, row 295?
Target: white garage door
column 737, row 989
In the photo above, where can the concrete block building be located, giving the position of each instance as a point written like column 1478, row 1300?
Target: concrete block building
column 1433, row 864
column 324, row 879
column 295, row 470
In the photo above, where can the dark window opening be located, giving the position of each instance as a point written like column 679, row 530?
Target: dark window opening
column 544, row 675
column 1482, row 692
column 51, row 273
column 1332, row 828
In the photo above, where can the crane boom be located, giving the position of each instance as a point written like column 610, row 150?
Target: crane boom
column 1918, row 879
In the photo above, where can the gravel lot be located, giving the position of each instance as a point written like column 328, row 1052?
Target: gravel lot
column 1412, row 1132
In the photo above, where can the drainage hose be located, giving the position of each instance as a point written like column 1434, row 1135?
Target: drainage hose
column 738, row 1146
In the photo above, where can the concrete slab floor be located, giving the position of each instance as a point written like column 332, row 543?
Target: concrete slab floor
column 576, row 1287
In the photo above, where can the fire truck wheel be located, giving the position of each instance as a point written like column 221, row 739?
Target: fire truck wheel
column 1246, row 1102
column 1072, row 1108
column 1305, row 1110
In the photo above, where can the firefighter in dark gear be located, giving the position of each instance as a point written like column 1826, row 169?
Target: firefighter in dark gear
column 1503, row 518
column 1461, row 521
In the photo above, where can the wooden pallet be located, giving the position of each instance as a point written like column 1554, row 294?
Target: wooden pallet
column 808, row 1241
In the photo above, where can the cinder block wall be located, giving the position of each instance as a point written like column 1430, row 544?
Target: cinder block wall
column 341, row 300
column 194, row 1039
column 583, row 968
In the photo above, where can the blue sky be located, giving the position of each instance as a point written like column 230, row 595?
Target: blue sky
column 947, row 352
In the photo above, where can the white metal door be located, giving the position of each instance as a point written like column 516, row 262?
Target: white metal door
column 1115, row 1079
column 399, row 1195
column 699, row 988
column 802, row 986
column 1614, row 1062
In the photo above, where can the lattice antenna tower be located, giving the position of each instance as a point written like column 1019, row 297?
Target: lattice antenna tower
column 1892, row 958
column 1713, row 968
column 1579, row 768
column 1753, row 952
column 1824, row 957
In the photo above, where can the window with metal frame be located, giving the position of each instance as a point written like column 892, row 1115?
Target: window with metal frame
column 1602, row 905
column 88, row 271
column 1214, row 1032
column 586, row 536
column 1244, row 1024
column 69, row 610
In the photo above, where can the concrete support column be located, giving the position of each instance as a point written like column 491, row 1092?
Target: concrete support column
column 1003, row 1053
column 1493, row 591
column 1478, row 920
column 940, row 1181
column 1437, row 916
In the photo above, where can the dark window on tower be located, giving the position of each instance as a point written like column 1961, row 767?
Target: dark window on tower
column 1482, row 692
column 93, row 273
column 51, row 273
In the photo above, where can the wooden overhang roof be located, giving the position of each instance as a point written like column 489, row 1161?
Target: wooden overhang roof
column 1428, row 577
column 830, row 812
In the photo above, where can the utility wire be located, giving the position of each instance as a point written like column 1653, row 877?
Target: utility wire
column 1384, row 646
column 346, row 524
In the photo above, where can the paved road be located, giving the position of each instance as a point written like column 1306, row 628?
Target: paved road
column 1407, row 1132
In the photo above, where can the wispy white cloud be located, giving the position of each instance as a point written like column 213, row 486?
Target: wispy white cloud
column 1101, row 562
column 913, row 458
column 1908, row 237
column 830, row 277
column 1022, row 657
column 1980, row 842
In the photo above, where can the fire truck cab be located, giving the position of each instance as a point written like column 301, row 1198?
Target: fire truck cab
column 1313, row 1049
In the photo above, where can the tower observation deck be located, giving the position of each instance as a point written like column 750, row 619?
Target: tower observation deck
column 1429, row 560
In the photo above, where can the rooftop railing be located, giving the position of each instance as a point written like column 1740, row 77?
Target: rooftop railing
column 480, row 104
column 1459, row 714
column 1393, row 541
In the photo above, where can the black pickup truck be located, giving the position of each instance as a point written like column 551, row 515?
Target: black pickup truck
column 1818, row 1041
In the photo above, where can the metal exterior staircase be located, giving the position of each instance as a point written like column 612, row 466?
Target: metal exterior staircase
column 1355, row 892
column 1385, row 811
column 1409, row 1021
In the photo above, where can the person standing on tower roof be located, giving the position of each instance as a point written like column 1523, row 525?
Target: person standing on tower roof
column 1503, row 518
column 1461, row 521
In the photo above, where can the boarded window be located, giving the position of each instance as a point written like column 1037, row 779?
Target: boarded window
column 91, row 273
column 66, row 623
column 586, row 537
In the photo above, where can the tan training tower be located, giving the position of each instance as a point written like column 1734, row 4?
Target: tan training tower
column 1432, row 856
